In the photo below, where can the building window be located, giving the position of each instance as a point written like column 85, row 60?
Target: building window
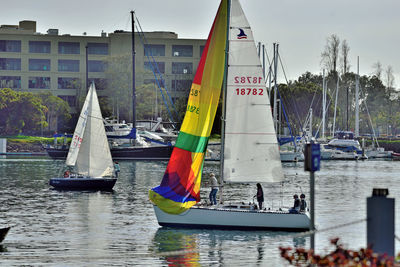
column 68, row 65
column 100, row 83
column 68, row 48
column 39, row 82
column 152, row 81
column 202, row 49
column 70, row 99
column 157, row 67
column 10, row 64
column 10, row 81
column 39, row 64
column 182, row 68
column 97, row 48
column 10, row 46
column 181, row 85
column 154, row 50
column 69, row 83
column 182, row 51
column 96, row 66
column 39, row 47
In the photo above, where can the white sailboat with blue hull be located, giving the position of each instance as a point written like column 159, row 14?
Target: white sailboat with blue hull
column 249, row 151
column 89, row 155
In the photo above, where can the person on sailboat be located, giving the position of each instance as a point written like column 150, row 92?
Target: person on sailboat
column 296, row 205
column 303, row 203
column 260, row 196
column 116, row 169
column 214, row 189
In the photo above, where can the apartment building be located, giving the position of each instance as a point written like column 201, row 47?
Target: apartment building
column 53, row 62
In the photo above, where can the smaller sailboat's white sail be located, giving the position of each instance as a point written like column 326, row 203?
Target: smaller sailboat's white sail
column 89, row 151
column 251, row 150
column 79, row 131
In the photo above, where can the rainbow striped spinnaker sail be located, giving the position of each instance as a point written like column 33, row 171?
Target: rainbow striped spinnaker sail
column 180, row 187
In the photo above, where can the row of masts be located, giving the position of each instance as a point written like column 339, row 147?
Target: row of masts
column 271, row 76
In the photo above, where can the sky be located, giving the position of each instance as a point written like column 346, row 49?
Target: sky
column 301, row 27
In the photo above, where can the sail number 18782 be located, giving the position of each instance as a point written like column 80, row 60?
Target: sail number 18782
column 248, row 81
column 249, row 91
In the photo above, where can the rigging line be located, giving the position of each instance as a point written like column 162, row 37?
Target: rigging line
column 319, row 127
column 311, row 104
column 161, row 76
column 285, row 101
column 369, row 117
column 297, row 112
column 283, row 70
column 156, row 78
column 284, row 112
column 266, row 53
column 287, row 120
column 153, row 63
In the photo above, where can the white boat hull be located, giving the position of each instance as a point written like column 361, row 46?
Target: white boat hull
column 231, row 218
column 290, row 156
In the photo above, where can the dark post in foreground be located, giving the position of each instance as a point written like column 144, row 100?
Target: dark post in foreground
column 380, row 221
column 312, row 158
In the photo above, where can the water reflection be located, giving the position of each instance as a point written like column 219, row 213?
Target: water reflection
column 299, row 241
column 67, row 228
column 91, row 215
column 177, row 247
column 190, row 247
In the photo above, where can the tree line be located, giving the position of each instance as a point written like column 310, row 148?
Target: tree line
column 379, row 102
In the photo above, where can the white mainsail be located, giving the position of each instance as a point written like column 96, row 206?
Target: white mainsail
column 251, row 150
column 89, row 151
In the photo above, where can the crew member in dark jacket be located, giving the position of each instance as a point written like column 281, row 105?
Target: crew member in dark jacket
column 296, row 205
column 260, row 196
column 303, row 202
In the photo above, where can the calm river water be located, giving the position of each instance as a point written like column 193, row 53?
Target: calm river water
column 65, row 228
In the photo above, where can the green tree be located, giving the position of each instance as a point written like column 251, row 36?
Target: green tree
column 23, row 112
column 57, row 109
column 119, row 86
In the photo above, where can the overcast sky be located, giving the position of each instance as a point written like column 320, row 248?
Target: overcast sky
column 371, row 27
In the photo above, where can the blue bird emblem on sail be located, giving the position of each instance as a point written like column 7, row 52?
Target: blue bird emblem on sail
column 241, row 34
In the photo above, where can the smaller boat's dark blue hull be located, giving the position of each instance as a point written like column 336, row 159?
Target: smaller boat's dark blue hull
column 83, row 183
column 3, row 233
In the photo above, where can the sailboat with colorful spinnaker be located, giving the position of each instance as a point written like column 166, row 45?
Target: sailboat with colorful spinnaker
column 249, row 148
column 89, row 162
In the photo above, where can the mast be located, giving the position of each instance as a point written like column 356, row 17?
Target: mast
column 224, row 89
column 270, row 80
column 357, row 122
column 334, row 116
column 323, row 104
column 87, row 69
column 275, row 89
column 263, row 60
column 133, row 73
column 310, row 123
